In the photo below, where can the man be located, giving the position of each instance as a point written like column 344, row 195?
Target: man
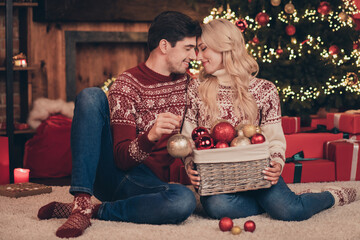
column 119, row 154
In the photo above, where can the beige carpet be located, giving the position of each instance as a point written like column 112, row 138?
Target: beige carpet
column 18, row 221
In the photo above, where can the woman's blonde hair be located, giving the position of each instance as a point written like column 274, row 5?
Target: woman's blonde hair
column 224, row 37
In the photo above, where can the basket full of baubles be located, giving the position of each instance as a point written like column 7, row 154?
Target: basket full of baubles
column 228, row 159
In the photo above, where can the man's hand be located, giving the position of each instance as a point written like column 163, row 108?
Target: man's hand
column 165, row 123
column 273, row 172
column 193, row 175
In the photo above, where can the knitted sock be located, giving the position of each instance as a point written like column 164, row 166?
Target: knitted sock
column 343, row 195
column 60, row 210
column 79, row 218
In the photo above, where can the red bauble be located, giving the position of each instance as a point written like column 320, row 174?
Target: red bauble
column 249, row 226
column 262, row 18
column 334, row 50
column 223, row 132
column 222, row 145
column 255, row 40
column 324, row 8
column 356, row 45
column 197, row 132
column 290, row 30
column 241, row 24
column 257, row 138
column 204, row 141
column 279, row 51
column 225, row 224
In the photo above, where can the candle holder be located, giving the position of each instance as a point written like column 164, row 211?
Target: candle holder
column 21, row 175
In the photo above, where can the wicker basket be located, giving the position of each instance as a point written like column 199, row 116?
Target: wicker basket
column 233, row 169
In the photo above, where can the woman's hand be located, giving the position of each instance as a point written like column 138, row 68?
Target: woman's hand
column 273, row 172
column 193, row 175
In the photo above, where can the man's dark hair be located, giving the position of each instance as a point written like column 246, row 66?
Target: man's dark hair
column 172, row 26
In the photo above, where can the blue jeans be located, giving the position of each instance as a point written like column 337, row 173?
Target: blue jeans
column 136, row 195
column 278, row 201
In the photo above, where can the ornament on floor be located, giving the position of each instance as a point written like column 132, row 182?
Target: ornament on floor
column 289, row 8
column 334, row 50
column 197, row 132
column 290, row 30
column 223, row 132
column 19, row 60
column 241, row 24
column 257, row 138
column 225, row 224
column 236, row 230
column 324, row 8
column 249, row 226
column 262, row 18
column 275, row 3
column 240, row 141
column 179, row 146
column 205, row 141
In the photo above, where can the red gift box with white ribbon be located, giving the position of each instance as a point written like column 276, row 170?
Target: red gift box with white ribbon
column 290, row 125
column 345, row 122
column 345, row 153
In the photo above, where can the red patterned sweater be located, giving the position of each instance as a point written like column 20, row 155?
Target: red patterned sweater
column 267, row 100
column 135, row 99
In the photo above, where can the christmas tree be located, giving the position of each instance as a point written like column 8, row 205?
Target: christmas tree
column 309, row 49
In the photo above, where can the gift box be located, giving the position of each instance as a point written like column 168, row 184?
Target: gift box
column 318, row 121
column 345, row 153
column 290, row 125
column 345, row 122
column 4, row 161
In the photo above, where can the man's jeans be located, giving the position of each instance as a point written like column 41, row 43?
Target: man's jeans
column 136, row 195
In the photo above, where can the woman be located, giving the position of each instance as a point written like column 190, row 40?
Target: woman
column 228, row 89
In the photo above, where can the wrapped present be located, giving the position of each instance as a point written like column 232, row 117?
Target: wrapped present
column 4, row 161
column 318, row 121
column 346, row 122
column 290, row 125
column 345, row 153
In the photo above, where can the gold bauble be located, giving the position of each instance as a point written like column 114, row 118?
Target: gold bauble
column 240, row 141
column 238, row 129
column 343, row 16
column 275, row 3
column 179, row 146
column 289, row 8
column 258, row 129
column 235, row 230
column 249, row 130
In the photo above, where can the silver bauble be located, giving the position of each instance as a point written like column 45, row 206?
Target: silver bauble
column 240, row 141
column 179, row 146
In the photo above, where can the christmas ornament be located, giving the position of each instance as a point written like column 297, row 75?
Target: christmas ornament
column 225, row 224
column 343, row 16
column 289, row 8
column 216, row 122
column 240, row 141
column 249, row 226
column 279, row 51
column 179, row 146
column 204, row 141
column 356, row 45
column 258, row 129
column 334, row 50
column 262, row 18
column 197, row 132
column 351, row 79
column 249, row 130
column 293, row 40
column 238, row 129
column 221, row 145
column 241, row 24
column 275, row 3
column 324, row 8
column 255, row 40
column 236, row 230
column 223, row 132
column 290, row 30
column 257, row 138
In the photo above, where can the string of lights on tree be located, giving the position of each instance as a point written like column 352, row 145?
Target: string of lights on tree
column 337, row 19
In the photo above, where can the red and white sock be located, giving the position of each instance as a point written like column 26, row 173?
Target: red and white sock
column 79, row 218
column 55, row 210
column 343, row 195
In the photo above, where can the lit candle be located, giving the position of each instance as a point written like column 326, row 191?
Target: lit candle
column 21, row 175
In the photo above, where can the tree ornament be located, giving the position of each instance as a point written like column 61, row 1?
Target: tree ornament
column 343, row 16
column 249, row 130
column 334, row 50
column 279, row 51
column 289, row 8
column 249, row 226
column 324, row 8
column 236, row 230
column 225, row 224
column 257, row 138
column 204, row 141
column 356, row 45
column 221, row 145
column 197, row 132
column 290, row 30
column 179, row 146
column 293, row 40
column 241, row 24
column 255, row 40
column 351, row 79
column 223, row 132
column 240, row 141
column 262, row 18
column 275, row 3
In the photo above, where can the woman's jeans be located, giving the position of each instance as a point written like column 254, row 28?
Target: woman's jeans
column 136, row 195
column 278, row 201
